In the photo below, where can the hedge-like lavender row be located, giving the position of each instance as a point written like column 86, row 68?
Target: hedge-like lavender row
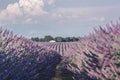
column 97, row 56
column 22, row 59
column 61, row 47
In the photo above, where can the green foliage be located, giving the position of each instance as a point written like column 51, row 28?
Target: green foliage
column 57, row 39
column 48, row 38
column 35, row 39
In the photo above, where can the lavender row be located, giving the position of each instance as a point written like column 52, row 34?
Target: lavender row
column 60, row 47
column 97, row 56
column 22, row 59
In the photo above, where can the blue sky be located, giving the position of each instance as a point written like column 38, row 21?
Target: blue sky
column 32, row 18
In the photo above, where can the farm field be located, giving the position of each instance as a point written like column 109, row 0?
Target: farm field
column 59, row 39
column 95, row 57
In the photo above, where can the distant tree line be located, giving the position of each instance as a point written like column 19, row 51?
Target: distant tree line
column 57, row 39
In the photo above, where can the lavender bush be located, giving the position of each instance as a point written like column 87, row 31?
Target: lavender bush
column 22, row 59
column 95, row 57
column 98, row 56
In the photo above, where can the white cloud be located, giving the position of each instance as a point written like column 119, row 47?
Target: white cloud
column 23, row 8
column 14, row 9
column 32, row 7
column 29, row 20
column 35, row 11
column 50, row 2
column 77, row 12
column 101, row 19
column 85, row 15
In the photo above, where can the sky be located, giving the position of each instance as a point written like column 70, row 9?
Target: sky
column 37, row 18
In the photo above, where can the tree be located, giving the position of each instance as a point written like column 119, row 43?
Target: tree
column 41, row 40
column 67, row 39
column 35, row 39
column 74, row 39
column 58, row 39
column 48, row 38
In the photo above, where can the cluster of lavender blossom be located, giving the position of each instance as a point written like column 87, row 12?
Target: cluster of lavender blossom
column 22, row 59
column 95, row 57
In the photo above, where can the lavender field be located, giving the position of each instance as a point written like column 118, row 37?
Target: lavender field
column 95, row 57
column 59, row 39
